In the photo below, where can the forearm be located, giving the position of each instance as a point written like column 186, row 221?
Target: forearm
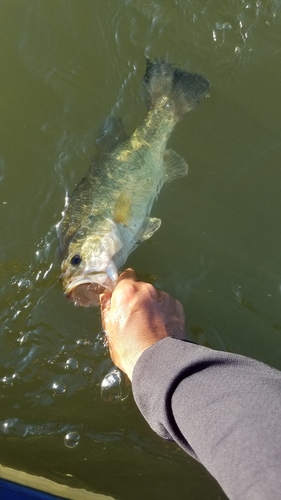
column 221, row 408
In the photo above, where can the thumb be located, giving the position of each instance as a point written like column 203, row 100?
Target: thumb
column 128, row 274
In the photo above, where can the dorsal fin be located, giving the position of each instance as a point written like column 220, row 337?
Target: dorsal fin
column 111, row 133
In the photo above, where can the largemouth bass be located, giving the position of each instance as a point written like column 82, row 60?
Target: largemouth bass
column 109, row 211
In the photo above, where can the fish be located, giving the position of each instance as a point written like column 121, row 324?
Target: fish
column 109, row 212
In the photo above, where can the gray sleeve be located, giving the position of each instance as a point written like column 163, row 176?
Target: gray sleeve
column 221, row 408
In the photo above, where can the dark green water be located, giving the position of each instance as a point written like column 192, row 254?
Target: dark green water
column 65, row 65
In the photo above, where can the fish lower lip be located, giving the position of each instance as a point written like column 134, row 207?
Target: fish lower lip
column 86, row 294
column 87, row 280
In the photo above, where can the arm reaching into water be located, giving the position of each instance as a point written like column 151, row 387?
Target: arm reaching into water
column 221, row 408
column 136, row 316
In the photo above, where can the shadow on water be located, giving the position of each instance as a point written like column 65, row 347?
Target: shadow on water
column 66, row 413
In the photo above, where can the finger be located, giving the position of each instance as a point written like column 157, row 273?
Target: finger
column 105, row 300
column 105, row 303
column 154, row 293
column 128, row 274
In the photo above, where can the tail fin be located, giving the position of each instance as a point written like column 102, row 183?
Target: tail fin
column 172, row 87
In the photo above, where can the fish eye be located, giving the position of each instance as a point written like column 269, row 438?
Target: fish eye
column 76, row 260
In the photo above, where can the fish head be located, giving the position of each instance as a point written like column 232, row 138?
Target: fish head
column 88, row 269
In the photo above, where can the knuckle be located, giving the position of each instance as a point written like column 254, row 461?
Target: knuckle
column 125, row 291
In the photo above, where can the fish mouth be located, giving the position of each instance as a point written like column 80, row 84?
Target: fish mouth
column 85, row 291
column 86, row 295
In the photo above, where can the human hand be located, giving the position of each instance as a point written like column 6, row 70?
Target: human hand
column 135, row 316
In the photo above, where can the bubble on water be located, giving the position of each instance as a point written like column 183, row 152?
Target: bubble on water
column 24, row 283
column 71, row 364
column 7, row 380
column 5, row 427
column 113, row 387
column 11, row 425
column 82, row 342
column 59, row 388
column 223, row 26
column 87, row 370
column 71, row 440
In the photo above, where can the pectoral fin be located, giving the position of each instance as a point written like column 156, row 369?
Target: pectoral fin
column 175, row 165
column 122, row 209
column 152, row 226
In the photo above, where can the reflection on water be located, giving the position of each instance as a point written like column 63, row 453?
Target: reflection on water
column 65, row 67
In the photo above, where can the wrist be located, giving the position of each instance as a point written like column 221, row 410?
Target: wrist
column 130, row 360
